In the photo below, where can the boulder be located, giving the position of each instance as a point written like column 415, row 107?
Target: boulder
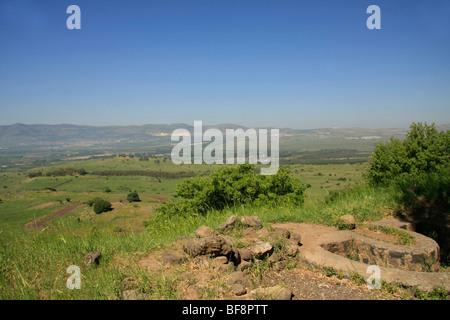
column 212, row 245
column 173, row 257
column 245, row 254
column 251, row 221
column 204, row 231
column 273, row 293
column 238, row 277
column 238, row 289
column 243, row 265
column 93, row 258
column 282, row 233
column 228, row 224
column 261, row 249
column 291, row 248
column 133, row 295
column 296, row 237
column 347, row 222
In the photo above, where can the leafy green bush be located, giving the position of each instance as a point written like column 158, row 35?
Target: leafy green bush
column 133, row 197
column 101, row 206
column 234, row 186
column 91, row 202
column 424, row 150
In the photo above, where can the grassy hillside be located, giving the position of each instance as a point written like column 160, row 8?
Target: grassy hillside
column 33, row 264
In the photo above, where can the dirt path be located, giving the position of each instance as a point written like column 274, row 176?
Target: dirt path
column 161, row 198
column 39, row 224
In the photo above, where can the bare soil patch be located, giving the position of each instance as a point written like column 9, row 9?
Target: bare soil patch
column 40, row 224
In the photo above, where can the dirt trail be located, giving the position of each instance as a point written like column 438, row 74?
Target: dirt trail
column 161, row 198
column 39, row 224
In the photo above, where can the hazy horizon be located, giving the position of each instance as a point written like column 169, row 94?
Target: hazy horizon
column 205, row 124
column 281, row 64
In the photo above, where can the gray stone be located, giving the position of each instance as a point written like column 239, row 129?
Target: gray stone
column 93, row 258
column 228, row 224
column 251, row 221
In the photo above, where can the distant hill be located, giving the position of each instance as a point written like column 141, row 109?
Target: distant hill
column 53, row 137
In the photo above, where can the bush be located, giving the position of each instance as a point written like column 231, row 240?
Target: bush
column 101, row 206
column 424, row 150
column 234, row 186
column 91, row 202
column 133, row 197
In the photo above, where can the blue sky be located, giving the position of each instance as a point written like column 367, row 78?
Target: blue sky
column 258, row 63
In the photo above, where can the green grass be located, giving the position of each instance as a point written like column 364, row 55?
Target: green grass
column 33, row 265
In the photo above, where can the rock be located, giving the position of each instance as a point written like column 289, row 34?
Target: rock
column 275, row 257
column 244, row 265
column 249, row 233
column 219, row 260
column 228, row 224
column 228, row 267
column 238, row 289
column 347, row 222
column 245, row 254
column 290, row 248
column 296, row 237
column 204, row 231
column 261, row 249
column 282, row 233
column 235, row 256
column 251, row 221
column 93, row 258
column 213, row 246
column 173, row 257
column 273, row 293
column 133, row 295
column 280, row 265
column 238, row 277
column 193, row 292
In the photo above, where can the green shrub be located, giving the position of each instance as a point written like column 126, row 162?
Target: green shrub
column 101, row 206
column 424, row 150
column 234, row 186
column 133, row 197
column 91, row 202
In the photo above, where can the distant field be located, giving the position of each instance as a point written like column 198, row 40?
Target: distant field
column 24, row 198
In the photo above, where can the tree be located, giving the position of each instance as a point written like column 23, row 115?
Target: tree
column 234, row 186
column 101, row 206
column 424, row 150
column 133, row 197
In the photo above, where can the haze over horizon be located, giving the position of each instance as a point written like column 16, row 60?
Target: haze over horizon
column 282, row 64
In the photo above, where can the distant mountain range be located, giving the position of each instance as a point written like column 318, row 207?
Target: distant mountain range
column 41, row 136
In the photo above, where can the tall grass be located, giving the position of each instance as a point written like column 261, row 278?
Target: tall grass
column 33, row 265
